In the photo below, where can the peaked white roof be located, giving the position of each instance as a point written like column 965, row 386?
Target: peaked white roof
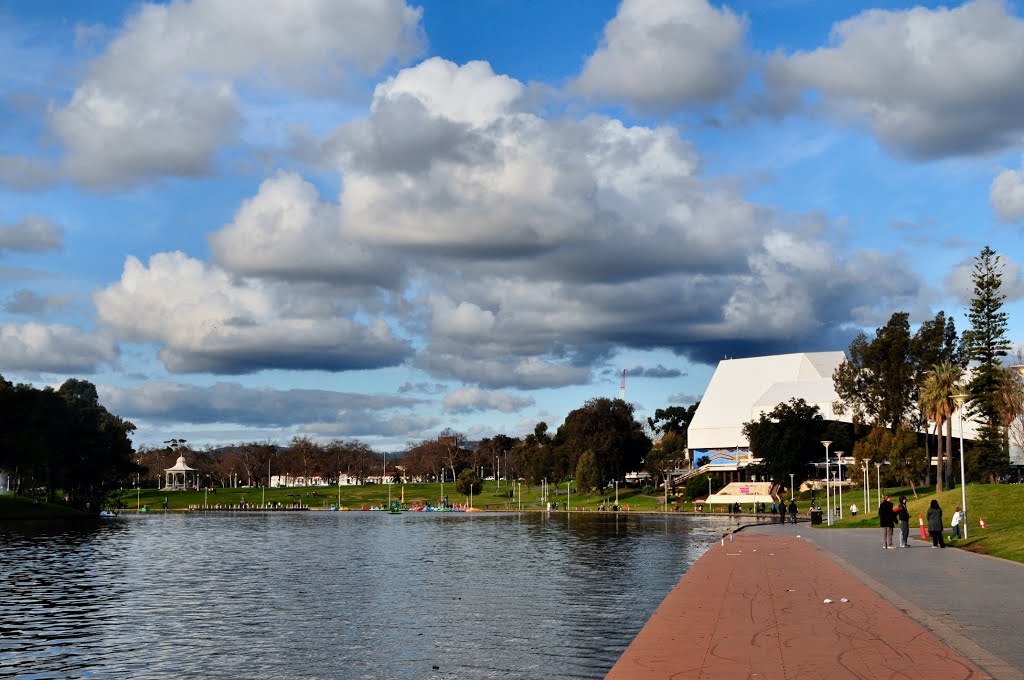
column 741, row 389
column 180, row 466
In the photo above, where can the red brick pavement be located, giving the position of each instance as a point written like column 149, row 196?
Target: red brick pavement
column 754, row 608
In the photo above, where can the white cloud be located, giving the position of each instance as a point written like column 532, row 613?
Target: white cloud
column 1007, row 195
column 960, row 281
column 161, row 99
column 56, row 348
column 661, row 56
column 207, row 320
column 287, row 232
column 470, row 399
column 927, row 82
column 547, row 243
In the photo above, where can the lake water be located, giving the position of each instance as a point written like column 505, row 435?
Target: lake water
column 337, row 594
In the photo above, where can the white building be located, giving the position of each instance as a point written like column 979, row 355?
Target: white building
column 741, row 389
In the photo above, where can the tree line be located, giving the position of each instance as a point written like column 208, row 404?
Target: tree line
column 63, row 441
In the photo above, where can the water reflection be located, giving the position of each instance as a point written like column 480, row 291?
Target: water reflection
column 341, row 595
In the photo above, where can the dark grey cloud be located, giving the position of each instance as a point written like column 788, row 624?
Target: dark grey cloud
column 30, row 303
column 658, row 371
column 231, row 403
column 31, row 234
column 25, row 173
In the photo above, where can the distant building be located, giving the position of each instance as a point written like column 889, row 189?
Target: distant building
column 741, row 389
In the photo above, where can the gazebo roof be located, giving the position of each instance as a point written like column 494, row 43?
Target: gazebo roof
column 180, row 466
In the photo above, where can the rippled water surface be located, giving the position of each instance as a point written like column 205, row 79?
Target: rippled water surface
column 337, row 595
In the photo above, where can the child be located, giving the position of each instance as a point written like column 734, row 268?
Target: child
column 955, row 522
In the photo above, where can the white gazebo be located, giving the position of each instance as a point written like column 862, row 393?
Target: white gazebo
column 177, row 477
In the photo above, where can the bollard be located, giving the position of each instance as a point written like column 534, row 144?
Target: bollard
column 920, row 520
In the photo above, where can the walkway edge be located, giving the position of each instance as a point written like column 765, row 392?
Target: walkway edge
column 954, row 638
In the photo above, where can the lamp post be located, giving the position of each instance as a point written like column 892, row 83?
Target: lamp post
column 791, row 484
column 961, row 400
column 828, row 503
column 878, row 485
column 839, row 467
column 866, row 484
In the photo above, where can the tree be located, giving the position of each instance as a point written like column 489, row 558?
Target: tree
column 588, row 478
column 699, row 486
column 674, row 420
column 468, row 484
column 788, row 439
column 907, row 461
column 535, row 454
column 876, row 383
column 606, row 427
column 985, row 343
column 453, row 445
column 63, row 439
column 936, row 403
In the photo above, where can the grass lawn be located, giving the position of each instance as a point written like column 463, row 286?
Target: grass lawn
column 1000, row 505
column 18, row 507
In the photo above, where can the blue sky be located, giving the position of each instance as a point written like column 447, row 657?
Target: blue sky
column 353, row 221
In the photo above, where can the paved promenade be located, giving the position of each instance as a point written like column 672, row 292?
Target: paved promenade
column 755, row 608
column 973, row 603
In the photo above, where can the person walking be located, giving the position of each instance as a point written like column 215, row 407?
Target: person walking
column 792, row 509
column 903, row 515
column 887, row 519
column 955, row 522
column 935, row 524
column 782, row 511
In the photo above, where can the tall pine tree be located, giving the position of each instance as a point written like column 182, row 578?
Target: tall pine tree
column 985, row 342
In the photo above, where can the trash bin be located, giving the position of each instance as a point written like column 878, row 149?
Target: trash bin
column 815, row 516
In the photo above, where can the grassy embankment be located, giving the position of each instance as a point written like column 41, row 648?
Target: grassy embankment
column 1000, row 505
column 357, row 497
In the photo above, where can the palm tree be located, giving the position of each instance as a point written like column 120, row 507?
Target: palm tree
column 940, row 384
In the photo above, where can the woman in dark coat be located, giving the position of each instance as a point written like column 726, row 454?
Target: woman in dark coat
column 935, row 524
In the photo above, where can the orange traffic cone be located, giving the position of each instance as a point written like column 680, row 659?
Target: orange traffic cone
column 982, row 520
column 920, row 520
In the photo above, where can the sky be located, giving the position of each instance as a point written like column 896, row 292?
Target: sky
column 376, row 220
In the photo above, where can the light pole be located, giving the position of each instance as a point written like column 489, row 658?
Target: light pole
column 878, row 484
column 791, row 483
column 828, row 504
column 839, row 466
column 961, row 400
column 866, row 484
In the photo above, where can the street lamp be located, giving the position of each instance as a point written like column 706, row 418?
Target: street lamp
column 828, row 504
column 791, row 484
column 866, row 478
column 839, row 466
column 878, row 484
column 960, row 400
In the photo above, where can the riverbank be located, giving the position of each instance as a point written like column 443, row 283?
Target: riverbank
column 777, row 607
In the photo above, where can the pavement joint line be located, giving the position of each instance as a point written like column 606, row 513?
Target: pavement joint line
column 953, row 636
